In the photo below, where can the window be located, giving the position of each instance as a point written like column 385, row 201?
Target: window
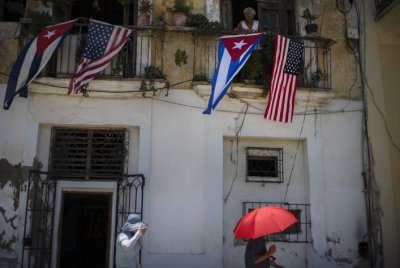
column 264, row 164
column 88, row 153
column 298, row 232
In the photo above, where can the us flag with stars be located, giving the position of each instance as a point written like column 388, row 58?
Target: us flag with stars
column 287, row 60
column 103, row 43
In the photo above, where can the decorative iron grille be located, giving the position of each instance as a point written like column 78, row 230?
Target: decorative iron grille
column 264, row 164
column 40, row 205
column 88, row 153
column 142, row 49
column 299, row 232
column 129, row 200
column 38, row 230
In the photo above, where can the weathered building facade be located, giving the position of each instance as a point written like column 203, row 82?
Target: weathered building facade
column 73, row 166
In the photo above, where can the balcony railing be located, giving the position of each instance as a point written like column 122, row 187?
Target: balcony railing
column 140, row 51
column 147, row 46
column 315, row 68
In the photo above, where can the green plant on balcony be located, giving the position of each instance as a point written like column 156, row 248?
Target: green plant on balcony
column 252, row 70
column 319, row 76
column 310, row 27
column 159, row 20
column 180, row 57
column 150, row 74
column 118, row 66
column 179, row 10
column 203, row 25
column 268, row 47
column 145, row 8
column 180, row 6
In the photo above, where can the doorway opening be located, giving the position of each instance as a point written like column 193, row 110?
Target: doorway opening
column 239, row 6
column 85, row 230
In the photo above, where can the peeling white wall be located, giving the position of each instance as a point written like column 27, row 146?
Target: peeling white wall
column 181, row 153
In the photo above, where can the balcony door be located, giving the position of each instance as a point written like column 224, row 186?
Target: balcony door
column 275, row 16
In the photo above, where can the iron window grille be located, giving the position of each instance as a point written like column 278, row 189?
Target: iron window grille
column 88, row 153
column 264, row 164
column 300, row 232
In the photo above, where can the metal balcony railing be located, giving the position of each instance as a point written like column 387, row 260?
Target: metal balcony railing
column 140, row 51
column 315, row 69
column 146, row 46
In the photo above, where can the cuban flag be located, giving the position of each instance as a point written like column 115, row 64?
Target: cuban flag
column 33, row 59
column 233, row 52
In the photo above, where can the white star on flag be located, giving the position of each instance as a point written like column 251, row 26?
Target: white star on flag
column 239, row 45
column 50, row 34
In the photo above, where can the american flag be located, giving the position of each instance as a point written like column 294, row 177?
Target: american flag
column 287, row 59
column 103, row 43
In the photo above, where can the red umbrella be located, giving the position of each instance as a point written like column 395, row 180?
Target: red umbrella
column 263, row 221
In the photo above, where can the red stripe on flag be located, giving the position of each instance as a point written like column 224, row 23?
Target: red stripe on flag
column 280, row 106
column 88, row 69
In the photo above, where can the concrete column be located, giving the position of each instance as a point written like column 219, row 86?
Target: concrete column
column 317, row 194
column 213, row 197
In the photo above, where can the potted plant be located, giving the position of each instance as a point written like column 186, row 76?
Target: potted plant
column 319, row 76
column 180, row 9
column 310, row 27
column 145, row 8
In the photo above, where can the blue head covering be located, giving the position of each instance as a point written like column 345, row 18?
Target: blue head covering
column 132, row 222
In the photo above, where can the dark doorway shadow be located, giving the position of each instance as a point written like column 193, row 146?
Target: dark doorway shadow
column 85, row 230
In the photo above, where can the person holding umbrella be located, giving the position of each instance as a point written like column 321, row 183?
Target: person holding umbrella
column 255, row 225
column 129, row 242
column 257, row 256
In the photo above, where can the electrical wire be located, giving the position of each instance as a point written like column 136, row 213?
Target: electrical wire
column 237, row 151
column 383, row 117
column 366, row 85
column 321, row 112
column 297, row 149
